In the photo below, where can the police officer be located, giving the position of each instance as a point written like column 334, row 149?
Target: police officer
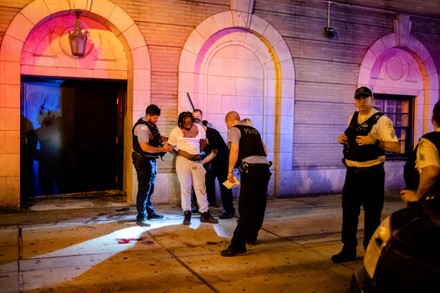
column 148, row 144
column 215, row 162
column 247, row 152
column 369, row 134
column 422, row 169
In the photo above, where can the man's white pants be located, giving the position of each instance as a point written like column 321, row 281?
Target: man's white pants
column 191, row 175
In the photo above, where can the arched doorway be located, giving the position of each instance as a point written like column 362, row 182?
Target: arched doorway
column 120, row 24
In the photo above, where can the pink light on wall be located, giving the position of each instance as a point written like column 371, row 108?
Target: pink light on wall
column 47, row 50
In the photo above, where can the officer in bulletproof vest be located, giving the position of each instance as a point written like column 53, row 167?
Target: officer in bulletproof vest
column 148, row 145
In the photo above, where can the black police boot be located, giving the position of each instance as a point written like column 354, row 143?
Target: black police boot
column 227, row 215
column 187, row 218
column 206, row 217
column 346, row 254
column 232, row 252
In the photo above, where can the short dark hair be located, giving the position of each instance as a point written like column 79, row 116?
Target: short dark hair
column 436, row 113
column 183, row 116
column 152, row 110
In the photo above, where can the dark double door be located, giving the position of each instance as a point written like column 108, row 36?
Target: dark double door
column 71, row 136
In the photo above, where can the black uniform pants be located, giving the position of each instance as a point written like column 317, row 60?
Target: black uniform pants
column 219, row 171
column 251, row 204
column 363, row 187
column 146, row 176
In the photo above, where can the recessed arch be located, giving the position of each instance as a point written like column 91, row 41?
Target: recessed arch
column 268, row 52
column 400, row 64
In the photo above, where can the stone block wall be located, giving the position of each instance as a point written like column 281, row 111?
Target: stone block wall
column 326, row 73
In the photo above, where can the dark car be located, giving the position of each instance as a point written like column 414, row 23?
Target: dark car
column 404, row 253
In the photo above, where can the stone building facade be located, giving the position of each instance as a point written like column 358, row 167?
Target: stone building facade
column 271, row 60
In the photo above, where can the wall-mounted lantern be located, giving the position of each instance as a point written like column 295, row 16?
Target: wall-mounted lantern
column 78, row 39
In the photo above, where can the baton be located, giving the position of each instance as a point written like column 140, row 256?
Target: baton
column 190, row 101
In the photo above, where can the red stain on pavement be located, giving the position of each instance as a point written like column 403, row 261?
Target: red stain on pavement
column 126, row 240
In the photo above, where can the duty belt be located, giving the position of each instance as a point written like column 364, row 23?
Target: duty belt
column 364, row 169
column 244, row 167
column 145, row 155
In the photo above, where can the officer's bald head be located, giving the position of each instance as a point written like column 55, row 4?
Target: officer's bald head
column 232, row 116
column 231, row 119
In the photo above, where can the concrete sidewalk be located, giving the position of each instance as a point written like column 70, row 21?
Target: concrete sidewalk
column 94, row 245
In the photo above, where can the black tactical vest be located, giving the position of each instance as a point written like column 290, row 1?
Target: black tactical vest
column 250, row 143
column 361, row 153
column 410, row 173
column 155, row 142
